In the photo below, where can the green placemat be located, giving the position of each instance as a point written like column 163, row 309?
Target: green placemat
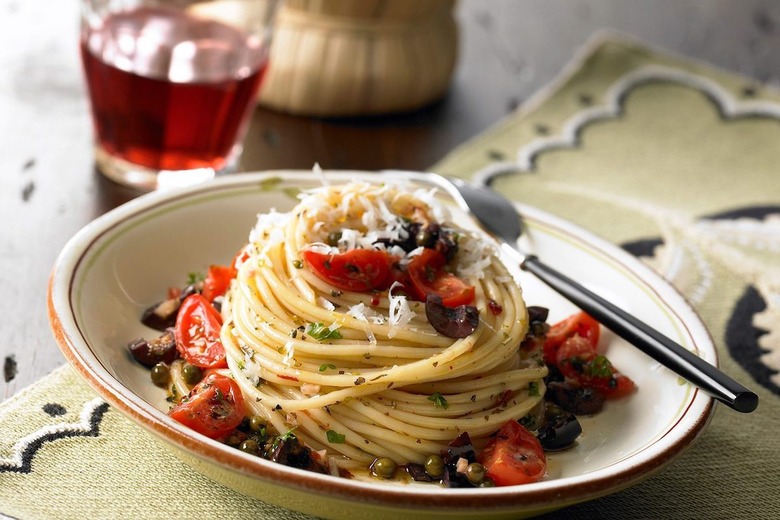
column 677, row 162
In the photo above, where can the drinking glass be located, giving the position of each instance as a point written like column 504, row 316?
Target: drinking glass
column 172, row 84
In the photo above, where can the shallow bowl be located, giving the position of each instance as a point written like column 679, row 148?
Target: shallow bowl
column 122, row 262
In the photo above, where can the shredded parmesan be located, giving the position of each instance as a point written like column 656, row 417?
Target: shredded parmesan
column 400, row 312
column 289, row 352
column 326, row 304
column 310, row 389
column 361, row 313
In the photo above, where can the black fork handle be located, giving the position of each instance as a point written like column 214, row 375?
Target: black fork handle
column 659, row 347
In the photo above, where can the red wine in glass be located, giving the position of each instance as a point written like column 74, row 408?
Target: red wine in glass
column 169, row 90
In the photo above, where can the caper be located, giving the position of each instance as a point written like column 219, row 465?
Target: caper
column 333, row 238
column 249, row 446
column 487, row 482
column 161, row 374
column 475, row 472
column 256, row 423
column 427, row 236
column 383, row 467
column 192, row 374
column 434, row 466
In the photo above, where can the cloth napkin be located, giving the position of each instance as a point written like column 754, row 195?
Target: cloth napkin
column 673, row 160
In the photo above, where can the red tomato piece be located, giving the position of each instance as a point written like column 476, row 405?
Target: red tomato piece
column 577, row 359
column 574, row 350
column 427, row 275
column 614, row 387
column 214, row 407
column 581, row 324
column 217, row 281
column 515, row 456
column 358, row 270
column 197, row 333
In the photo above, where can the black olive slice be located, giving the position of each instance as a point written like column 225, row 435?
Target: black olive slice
column 536, row 313
column 161, row 315
column 559, row 432
column 575, row 399
column 159, row 350
column 453, row 322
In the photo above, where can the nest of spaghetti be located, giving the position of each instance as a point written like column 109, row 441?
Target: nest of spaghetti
column 373, row 328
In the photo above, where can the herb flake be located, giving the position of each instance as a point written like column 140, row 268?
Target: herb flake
column 439, row 401
column 195, row 278
column 335, row 437
column 320, row 332
column 600, row 367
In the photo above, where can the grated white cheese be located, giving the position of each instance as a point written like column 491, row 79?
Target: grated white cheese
column 397, row 251
column 410, row 255
column 439, row 212
column 326, row 304
column 267, row 223
column 400, row 312
column 350, row 238
column 360, row 312
column 474, row 256
column 322, row 248
column 251, row 370
column 310, row 389
column 289, row 352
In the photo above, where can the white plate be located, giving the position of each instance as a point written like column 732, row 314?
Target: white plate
column 119, row 264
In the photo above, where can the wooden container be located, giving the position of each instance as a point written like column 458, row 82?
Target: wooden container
column 360, row 57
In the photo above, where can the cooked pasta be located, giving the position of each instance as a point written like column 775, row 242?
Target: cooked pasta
column 364, row 374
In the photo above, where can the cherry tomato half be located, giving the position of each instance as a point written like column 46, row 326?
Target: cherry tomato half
column 197, row 333
column 573, row 354
column 214, row 407
column 581, row 324
column 514, row 456
column 427, row 275
column 577, row 358
column 217, row 281
column 358, row 270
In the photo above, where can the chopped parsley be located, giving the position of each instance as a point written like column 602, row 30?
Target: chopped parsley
column 195, row 278
column 439, row 401
column 289, row 434
column 528, row 421
column 326, row 366
column 335, row 437
column 600, row 367
column 533, row 389
column 320, row 332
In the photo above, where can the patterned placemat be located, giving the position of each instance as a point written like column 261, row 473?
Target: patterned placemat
column 675, row 161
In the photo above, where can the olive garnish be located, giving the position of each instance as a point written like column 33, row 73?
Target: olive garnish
column 453, row 322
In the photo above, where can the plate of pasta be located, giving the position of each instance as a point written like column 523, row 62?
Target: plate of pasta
column 350, row 344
